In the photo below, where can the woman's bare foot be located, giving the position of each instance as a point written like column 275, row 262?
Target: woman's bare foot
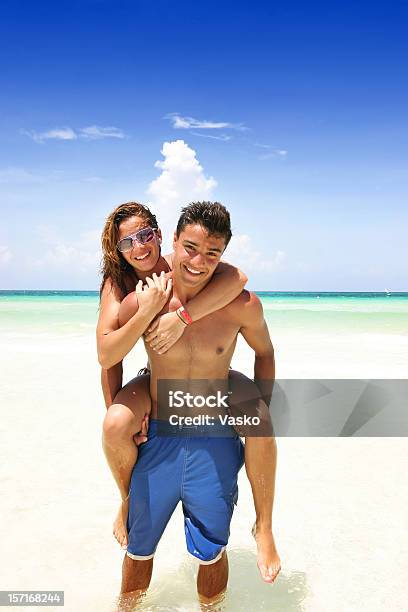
column 268, row 559
column 119, row 526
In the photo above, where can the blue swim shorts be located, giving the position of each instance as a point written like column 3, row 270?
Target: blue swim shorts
column 202, row 473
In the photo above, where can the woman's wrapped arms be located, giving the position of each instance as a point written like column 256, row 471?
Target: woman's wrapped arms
column 114, row 342
column 225, row 285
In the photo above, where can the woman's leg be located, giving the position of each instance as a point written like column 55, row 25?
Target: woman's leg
column 122, row 422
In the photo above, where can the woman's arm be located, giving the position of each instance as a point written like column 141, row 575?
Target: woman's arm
column 115, row 342
column 111, row 381
column 225, row 285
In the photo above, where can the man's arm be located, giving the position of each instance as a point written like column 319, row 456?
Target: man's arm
column 256, row 333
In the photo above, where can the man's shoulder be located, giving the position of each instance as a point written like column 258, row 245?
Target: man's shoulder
column 246, row 299
column 246, row 305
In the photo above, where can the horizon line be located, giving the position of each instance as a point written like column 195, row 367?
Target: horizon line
column 381, row 291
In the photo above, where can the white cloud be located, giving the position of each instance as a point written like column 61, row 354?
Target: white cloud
column 273, row 152
column 93, row 179
column 5, row 254
column 95, row 132
column 182, row 180
column 185, row 123
column 222, row 137
column 278, row 260
column 83, row 254
column 19, row 175
column 65, row 133
column 277, row 154
column 92, row 132
column 242, row 253
column 22, row 176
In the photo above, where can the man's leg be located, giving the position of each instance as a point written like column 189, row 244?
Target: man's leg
column 212, row 580
column 122, row 422
column 260, row 465
column 155, row 487
column 136, row 576
column 209, row 495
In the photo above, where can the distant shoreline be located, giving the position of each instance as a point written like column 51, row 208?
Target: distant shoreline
column 83, row 292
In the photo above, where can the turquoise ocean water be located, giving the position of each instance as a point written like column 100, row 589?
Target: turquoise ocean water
column 74, row 313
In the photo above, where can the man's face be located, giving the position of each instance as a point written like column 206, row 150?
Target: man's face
column 196, row 255
column 142, row 257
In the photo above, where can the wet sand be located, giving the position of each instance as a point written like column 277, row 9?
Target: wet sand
column 340, row 512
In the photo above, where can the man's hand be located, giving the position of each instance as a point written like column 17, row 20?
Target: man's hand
column 164, row 332
column 141, row 437
column 154, row 294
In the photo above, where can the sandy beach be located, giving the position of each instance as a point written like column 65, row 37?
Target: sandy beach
column 340, row 511
column 141, row 136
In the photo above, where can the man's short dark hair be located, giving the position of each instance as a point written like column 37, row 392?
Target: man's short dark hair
column 213, row 216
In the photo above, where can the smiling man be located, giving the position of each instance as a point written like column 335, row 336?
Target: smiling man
column 202, row 472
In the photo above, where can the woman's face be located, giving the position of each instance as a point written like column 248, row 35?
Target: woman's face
column 142, row 257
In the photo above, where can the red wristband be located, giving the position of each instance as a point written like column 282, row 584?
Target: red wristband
column 185, row 316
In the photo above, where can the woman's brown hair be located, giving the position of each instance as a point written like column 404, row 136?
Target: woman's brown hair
column 114, row 265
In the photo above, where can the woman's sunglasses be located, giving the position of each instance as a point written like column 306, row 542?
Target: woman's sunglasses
column 143, row 236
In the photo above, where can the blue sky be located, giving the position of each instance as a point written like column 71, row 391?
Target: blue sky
column 293, row 115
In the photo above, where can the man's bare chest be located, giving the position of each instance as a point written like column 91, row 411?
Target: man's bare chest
column 206, row 344
column 213, row 336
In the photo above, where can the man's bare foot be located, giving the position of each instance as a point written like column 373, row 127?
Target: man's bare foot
column 119, row 526
column 268, row 559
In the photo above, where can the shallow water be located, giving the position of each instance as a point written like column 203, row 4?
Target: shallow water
column 176, row 590
column 72, row 313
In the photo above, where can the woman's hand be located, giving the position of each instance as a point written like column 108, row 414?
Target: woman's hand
column 164, row 332
column 141, row 437
column 154, row 294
